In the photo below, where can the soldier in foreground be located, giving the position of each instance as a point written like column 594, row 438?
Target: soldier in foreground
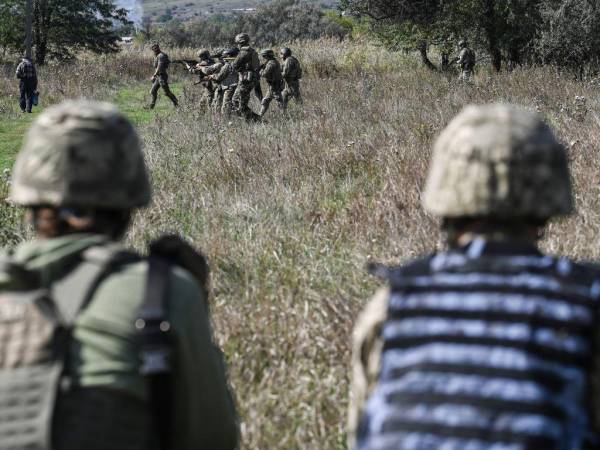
column 466, row 61
column 28, row 82
column 160, row 78
column 271, row 72
column 227, row 78
column 292, row 73
column 125, row 341
column 491, row 343
column 247, row 65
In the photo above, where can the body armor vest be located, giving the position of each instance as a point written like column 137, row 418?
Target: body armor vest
column 39, row 408
column 485, row 351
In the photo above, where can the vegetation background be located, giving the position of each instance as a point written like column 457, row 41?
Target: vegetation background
column 290, row 211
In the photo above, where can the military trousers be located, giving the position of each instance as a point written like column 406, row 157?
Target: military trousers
column 228, row 105
column 466, row 75
column 292, row 90
column 162, row 81
column 274, row 93
column 241, row 97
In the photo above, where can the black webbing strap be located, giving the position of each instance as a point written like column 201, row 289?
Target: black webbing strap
column 155, row 347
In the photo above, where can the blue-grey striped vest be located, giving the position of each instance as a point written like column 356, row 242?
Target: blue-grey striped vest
column 486, row 348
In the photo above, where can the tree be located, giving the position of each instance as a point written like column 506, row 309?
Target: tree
column 12, row 18
column 505, row 28
column 63, row 27
column 570, row 35
column 406, row 24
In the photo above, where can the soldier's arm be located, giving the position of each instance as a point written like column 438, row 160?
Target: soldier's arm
column 222, row 74
column 204, row 410
column 267, row 71
column 160, row 66
column 19, row 72
column 366, row 358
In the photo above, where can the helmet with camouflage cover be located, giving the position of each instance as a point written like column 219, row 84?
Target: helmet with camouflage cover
column 81, row 154
column 242, row 39
column 218, row 54
column 498, row 161
column 286, row 52
column 462, row 43
column 267, row 53
column 203, row 53
column 155, row 46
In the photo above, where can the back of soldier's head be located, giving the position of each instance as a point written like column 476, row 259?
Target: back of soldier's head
column 285, row 52
column 81, row 154
column 501, row 162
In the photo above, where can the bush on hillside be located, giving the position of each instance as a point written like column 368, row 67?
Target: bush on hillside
column 272, row 23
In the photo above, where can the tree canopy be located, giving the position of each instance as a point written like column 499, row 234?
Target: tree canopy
column 62, row 27
column 561, row 32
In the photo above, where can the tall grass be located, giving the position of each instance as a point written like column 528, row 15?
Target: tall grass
column 290, row 211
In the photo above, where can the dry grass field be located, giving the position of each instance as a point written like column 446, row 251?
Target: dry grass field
column 290, row 211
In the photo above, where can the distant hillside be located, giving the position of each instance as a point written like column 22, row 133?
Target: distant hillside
column 184, row 10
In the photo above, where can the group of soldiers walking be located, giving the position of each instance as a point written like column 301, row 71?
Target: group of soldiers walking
column 229, row 77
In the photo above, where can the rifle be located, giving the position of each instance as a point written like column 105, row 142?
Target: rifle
column 187, row 63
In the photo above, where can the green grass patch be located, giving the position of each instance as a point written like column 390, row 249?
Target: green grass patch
column 11, row 136
column 131, row 102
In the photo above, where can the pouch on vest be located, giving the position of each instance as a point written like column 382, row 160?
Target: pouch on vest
column 154, row 327
column 35, row 328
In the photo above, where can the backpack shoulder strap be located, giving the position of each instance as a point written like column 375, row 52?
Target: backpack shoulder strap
column 156, row 346
column 154, row 327
column 72, row 293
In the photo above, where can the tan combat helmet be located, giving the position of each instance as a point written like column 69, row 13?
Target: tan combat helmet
column 81, row 154
column 498, row 161
column 242, row 39
column 267, row 53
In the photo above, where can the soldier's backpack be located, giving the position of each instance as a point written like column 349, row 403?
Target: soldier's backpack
column 35, row 326
column 35, row 329
column 297, row 68
column 255, row 61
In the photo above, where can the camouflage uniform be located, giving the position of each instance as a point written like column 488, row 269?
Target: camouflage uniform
column 28, row 82
column 247, row 66
column 227, row 78
column 466, row 61
column 161, row 78
column 292, row 73
column 460, row 350
column 271, row 72
column 82, row 155
column 206, row 67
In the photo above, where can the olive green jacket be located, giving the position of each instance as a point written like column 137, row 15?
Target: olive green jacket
column 104, row 353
